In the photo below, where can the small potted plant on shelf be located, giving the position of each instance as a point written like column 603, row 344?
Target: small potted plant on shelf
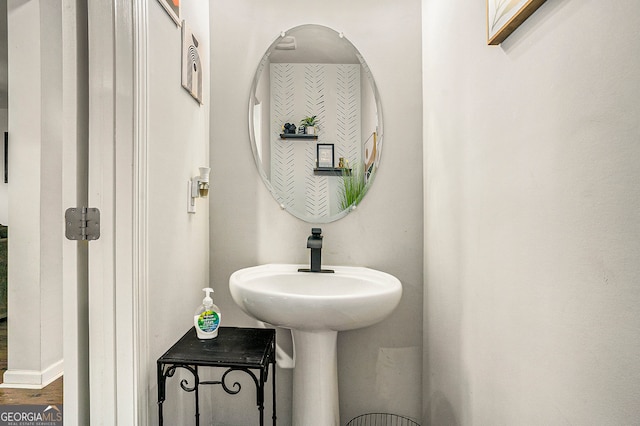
column 309, row 124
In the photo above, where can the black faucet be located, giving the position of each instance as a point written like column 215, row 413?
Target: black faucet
column 314, row 242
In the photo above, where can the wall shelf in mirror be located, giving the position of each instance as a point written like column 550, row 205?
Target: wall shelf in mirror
column 331, row 171
column 297, row 136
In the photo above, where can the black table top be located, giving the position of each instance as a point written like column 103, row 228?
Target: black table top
column 234, row 347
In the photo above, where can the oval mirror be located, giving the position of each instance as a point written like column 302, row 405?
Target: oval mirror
column 315, row 123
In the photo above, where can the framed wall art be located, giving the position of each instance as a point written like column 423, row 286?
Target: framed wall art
column 325, row 156
column 192, row 70
column 504, row 16
column 173, row 9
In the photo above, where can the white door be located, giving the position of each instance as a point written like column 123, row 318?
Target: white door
column 75, row 191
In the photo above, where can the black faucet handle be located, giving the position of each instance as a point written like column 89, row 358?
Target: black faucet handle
column 316, row 232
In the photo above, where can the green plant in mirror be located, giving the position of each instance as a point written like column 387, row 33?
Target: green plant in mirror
column 309, row 121
column 353, row 187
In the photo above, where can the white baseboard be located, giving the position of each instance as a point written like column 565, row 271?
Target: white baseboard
column 32, row 379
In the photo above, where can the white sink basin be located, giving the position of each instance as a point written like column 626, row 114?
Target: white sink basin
column 350, row 298
column 315, row 306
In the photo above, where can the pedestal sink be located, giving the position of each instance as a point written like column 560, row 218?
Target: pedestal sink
column 315, row 306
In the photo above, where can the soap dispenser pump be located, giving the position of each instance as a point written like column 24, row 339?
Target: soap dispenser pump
column 207, row 317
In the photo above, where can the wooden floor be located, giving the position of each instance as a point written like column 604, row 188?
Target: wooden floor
column 51, row 395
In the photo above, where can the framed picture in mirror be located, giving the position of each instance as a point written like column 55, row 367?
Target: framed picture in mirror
column 325, row 155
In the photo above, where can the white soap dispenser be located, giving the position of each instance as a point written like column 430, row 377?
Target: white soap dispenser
column 207, row 317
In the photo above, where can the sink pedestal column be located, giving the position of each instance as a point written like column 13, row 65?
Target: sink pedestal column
column 315, row 378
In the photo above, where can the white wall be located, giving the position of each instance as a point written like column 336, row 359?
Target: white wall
column 379, row 367
column 35, row 272
column 178, row 144
column 532, row 231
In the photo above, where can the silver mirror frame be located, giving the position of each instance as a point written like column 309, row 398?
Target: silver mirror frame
column 264, row 61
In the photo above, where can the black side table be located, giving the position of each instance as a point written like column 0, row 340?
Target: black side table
column 236, row 349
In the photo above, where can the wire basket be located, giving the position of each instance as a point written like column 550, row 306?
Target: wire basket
column 381, row 419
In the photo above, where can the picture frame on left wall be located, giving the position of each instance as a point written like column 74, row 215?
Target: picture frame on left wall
column 173, row 9
column 192, row 64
